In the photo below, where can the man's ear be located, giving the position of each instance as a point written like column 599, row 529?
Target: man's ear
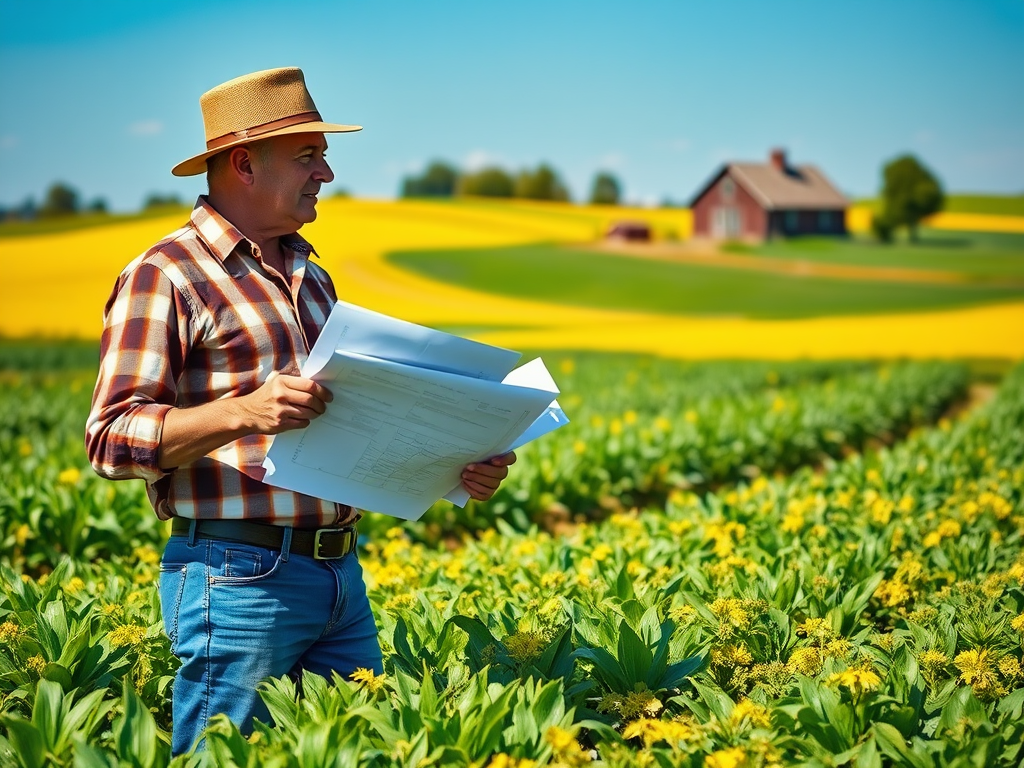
column 240, row 161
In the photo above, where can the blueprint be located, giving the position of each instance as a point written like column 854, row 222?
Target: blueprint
column 406, row 420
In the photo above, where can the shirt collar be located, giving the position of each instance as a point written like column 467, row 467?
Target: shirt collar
column 222, row 237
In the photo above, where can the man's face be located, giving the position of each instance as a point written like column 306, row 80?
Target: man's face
column 289, row 171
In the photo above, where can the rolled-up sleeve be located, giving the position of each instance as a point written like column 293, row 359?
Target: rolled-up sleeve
column 146, row 338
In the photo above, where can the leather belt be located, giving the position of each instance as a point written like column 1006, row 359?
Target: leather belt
column 320, row 544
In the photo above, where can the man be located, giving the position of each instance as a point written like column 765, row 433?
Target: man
column 203, row 338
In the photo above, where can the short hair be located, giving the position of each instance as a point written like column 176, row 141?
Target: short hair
column 215, row 164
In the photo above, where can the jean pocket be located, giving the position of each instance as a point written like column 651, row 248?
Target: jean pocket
column 172, row 587
column 243, row 564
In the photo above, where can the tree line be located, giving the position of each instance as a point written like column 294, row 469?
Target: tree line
column 442, row 179
column 62, row 200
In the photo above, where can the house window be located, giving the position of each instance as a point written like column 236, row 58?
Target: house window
column 792, row 221
column 826, row 221
column 728, row 189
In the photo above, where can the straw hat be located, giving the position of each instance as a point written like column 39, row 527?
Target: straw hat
column 273, row 102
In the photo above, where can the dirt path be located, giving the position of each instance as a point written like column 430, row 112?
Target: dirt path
column 707, row 254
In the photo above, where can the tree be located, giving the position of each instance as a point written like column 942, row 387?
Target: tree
column 606, row 189
column 542, row 184
column 438, row 180
column 60, row 200
column 158, row 200
column 909, row 193
column 488, row 182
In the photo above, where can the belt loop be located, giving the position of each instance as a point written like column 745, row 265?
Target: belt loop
column 286, row 543
column 192, row 532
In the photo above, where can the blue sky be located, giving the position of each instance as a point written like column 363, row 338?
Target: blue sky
column 105, row 95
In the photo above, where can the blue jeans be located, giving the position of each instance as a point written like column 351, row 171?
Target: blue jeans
column 236, row 614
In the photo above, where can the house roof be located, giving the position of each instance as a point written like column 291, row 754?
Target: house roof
column 802, row 186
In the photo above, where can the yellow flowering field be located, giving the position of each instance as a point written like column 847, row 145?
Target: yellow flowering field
column 56, row 285
column 863, row 609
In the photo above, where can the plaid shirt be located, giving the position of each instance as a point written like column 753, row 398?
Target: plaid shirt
column 195, row 319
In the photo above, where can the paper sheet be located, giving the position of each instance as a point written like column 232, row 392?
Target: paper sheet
column 399, row 430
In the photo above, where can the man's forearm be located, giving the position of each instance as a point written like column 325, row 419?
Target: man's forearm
column 191, row 433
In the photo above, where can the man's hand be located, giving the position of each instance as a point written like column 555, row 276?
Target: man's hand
column 282, row 403
column 483, row 478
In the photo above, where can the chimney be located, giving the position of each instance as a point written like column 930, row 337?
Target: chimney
column 778, row 160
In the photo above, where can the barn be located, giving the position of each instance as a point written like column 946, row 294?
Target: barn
column 758, row 201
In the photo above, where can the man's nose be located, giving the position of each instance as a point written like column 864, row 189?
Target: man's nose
column 324, row 173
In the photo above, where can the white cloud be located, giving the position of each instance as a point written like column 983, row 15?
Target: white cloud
column 8, row 142
column 146, row 128
column 481, row 158
column 612, row 161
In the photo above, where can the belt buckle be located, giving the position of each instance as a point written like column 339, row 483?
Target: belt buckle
column 330, row 531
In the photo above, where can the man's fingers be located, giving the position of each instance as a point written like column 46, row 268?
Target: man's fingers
column 477, row 491
column 504, row 460
column 308, row 386
column 488, row 470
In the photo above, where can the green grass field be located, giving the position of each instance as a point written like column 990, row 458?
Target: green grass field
column 993, row 205
column 553, row 273
column 983, row 256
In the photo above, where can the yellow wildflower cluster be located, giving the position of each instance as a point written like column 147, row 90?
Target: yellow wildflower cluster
column 947, row 529
column 127, row 634
column 725, row 535
column 747, row 712
column 601, row 553
column 733, row 757
column 731, row 656
column 10, row 632
column 685, row 615
column 567, row 751
column 731, row 613
column 400, row 602
column 35, row 664
column 147, row 555
column 525, row 646
column 640, row 702
column 502, row 760
column 978, row 669
column 725, row 569
column 806, row 661
column 672, row 732
column 857, row 680
column 1017, row 623
column 903, row 587
column 367, row 679
column 74, row 585
column 69, row 476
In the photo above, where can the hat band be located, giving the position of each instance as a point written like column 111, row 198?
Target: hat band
column 259, row 130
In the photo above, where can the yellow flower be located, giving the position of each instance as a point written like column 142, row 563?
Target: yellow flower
column 691, row 416
column 525, row 646
column 733, row 757
column 1018, row 623
column 1010, row 668
column 69, row 476
column 127, row 634
column 731, row 656
column 9, row 631
column 629, row 418
column 524, row 548
column 729, row 610
column 400, row 602
column 806, row 661
column 579, row 447
column 754, row 714
column 601, row 553
column 502, row 760
column 976, row 668
column 21, row 534
column 36, row 664
column 567, row 366
column 932, row 659
column 615, row 428
column 639, row 703
column 858, row 681
column 366, row 678
column 74, row 585
column 819, row 629
column 652, row 731
column 662, row 424
column 146, row 554
column 948, row 529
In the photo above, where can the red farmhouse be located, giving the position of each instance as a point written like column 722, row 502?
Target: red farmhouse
column 764, row 200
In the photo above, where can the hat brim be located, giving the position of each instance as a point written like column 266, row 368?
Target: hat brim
column 197, row 164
